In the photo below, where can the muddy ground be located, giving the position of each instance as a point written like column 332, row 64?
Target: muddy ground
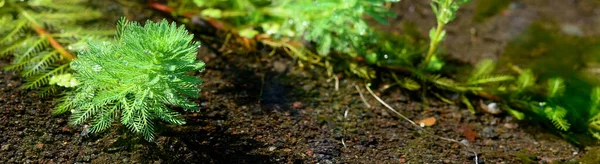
column 259, row 109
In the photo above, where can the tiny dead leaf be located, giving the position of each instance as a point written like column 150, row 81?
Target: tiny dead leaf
column 468, row 133
column 427, row 121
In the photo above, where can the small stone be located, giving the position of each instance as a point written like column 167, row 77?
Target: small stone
column 279, row 67
column 511, row 125
column 5, row 147
column 571, row 29
column 465, row 142
column 39, row 145
column 297, row 105
column 66, row 130
column 489, row 132
column 491, row 108
column 48, row 154
column 272, row 148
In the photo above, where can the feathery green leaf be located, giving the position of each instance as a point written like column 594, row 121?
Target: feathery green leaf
column 135, row 78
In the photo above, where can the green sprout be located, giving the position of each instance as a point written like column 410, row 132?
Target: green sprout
column 445, row 11
column 136, row 79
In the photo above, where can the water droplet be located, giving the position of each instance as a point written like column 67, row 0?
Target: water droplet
column 97, row 68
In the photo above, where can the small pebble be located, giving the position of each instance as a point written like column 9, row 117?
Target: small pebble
column 5, row 147
column 39, row 145
column 297, row 105
column 465, row 142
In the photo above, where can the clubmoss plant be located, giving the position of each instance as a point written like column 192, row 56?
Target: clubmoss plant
column 135, row 80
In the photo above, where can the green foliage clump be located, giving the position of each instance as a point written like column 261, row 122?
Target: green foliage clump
column 42, row 36
column 331, row 25
column 136, row 79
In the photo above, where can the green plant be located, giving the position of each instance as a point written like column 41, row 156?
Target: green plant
column 42, row 36
column 330, row 25
column 136, row 79
column 445, row 11
column 556, row 101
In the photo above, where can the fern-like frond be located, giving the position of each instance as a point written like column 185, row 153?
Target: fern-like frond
column 410, row 84
column 104, row 119
column 19, row 28
column 40, row 63
column 595, row 102
column 557, row 116
column 65, row 103
column 111, row 95
column 595, row 134
column 27, row 33
column 136, row 77
column 525, row 80
column 48, row 90
column 447, row 83
column 25, row 57
column 483, row 69
column 488, row 79
column 37, row 45
column 83, row 113
column 467, row 102
column 11, row 47
column 169, row 116
column 42, row 77
column 556, row 86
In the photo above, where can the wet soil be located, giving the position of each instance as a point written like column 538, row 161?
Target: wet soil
column 253, row 111
column 260, row 109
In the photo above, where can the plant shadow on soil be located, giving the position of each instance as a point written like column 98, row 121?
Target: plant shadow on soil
column 206, row 137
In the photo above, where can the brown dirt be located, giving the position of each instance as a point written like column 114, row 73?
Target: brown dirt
column 258, row 109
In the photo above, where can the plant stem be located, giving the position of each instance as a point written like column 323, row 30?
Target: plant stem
column 434, row 43
column 43, row 33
